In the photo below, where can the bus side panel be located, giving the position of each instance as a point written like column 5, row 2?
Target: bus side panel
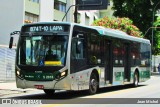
column 144, row 74
column 118, row 76
column 80, row 80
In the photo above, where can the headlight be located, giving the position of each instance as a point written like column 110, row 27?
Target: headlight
column 64, row 73
column 18, row 73
column 61, row 75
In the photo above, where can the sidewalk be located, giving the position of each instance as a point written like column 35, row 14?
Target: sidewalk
column 9, row 88
column 154, row 73
column 8, row 85
column 11, row 85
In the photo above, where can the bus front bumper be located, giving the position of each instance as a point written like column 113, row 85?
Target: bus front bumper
column 57, row 85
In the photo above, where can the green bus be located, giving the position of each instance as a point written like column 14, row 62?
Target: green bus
column 67, row 56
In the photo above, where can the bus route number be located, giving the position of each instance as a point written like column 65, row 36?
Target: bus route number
column 45, row 28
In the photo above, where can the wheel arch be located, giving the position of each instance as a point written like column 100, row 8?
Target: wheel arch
column 97, row 75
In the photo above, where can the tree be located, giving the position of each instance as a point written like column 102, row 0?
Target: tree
column 140, row 11
column 157, row 37
column 122, row 24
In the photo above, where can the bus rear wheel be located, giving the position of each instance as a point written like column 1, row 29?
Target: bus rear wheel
column 49, row 92
column 93, row 84
column 136, row 80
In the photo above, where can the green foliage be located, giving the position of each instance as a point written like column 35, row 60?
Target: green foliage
column 157, row 37
column 123, row 24
column 141, row 12
column 157, row 23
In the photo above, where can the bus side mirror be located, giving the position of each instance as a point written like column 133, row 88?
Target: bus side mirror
column 11, row 42
column 11, row 38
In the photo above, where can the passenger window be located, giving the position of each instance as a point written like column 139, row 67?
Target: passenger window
column 118, row 53
column 95, row 49
column 78, row 51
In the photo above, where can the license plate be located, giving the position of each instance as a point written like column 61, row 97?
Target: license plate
column 39, row 86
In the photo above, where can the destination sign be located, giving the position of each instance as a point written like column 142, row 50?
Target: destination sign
column 46, row 28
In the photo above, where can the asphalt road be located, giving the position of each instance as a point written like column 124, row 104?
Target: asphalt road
column 123, row 95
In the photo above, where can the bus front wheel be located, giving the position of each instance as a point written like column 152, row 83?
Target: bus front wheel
column 49, row 92
column 93, row 84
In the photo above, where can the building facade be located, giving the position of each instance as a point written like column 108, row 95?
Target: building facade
column 47, row 10
column 88, row 17
column 15, row 13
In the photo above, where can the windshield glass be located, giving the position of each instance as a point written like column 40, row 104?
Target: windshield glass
column 42, row 50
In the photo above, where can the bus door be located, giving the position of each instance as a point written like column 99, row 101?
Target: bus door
column 108, row 61
column 127, row 66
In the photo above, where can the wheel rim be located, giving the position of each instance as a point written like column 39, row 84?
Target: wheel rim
column 136, row 80
column 93, row 85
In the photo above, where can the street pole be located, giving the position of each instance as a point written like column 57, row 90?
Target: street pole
column 75, row 12
column 154, row 68
column 67, row 12
column 151, row 28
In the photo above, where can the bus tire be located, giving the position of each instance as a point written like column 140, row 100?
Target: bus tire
column 135, row 79
column 93, row 84
column 49, row 92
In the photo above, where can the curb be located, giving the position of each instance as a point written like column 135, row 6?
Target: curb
column 155, row 73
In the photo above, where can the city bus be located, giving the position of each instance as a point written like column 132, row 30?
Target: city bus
column 68, row 56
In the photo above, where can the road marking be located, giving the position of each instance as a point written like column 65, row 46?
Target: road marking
column 52, row 105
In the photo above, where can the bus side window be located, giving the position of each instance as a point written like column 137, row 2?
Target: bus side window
column 95, row 49
column 78, row 48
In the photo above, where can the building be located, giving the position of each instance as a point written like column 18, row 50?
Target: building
column 88, row 17
column 37, row 10
column 15, row 13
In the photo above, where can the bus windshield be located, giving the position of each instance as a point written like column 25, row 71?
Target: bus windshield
column 42, row 50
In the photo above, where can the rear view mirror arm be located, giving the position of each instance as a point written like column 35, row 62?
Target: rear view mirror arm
column 11, row 38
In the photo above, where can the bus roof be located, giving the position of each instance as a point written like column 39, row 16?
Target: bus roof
column 117, row 34
column 41, row 23
column 102, row 31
